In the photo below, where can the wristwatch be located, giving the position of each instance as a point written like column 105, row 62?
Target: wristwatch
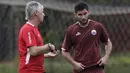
column 49, row 45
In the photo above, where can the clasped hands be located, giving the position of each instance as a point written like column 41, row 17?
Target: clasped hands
column 53, row 50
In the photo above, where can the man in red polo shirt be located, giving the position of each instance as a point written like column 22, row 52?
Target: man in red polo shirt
column 85, row 37
column 31, row 45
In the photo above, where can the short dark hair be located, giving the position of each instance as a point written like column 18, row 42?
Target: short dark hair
column 80, row 6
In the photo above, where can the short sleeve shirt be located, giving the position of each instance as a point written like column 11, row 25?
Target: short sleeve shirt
column 29, row 35
column 85, row 42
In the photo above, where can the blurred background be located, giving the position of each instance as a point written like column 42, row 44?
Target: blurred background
column 114, row 14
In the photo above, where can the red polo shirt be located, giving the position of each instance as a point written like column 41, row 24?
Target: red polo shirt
column 29, row 35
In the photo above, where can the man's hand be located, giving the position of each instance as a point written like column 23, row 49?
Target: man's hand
column 51, row 54
column 103, row 61
column 52, row 48
column 78, row 66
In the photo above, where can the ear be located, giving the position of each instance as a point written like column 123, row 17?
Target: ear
column 75, row 14
column 89, row 12
column 35, row 12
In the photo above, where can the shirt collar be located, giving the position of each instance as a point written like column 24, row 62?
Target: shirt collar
column 85, row 25
column 30, row 24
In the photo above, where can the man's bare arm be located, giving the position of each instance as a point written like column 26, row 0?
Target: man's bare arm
column 36, row 50
column 108, row 48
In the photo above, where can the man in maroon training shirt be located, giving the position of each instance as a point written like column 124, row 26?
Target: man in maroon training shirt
column 85, row 37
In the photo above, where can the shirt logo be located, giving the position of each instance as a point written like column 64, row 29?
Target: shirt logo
column 29, row 37
column 38, row 35
column 93, row 32
column 78, row 33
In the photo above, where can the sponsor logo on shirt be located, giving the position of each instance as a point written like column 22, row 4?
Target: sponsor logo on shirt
column 29, row 37
column 78, row 33
column 93, row 32
column 38, row 35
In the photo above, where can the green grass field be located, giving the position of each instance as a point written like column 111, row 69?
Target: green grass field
column 118, row 63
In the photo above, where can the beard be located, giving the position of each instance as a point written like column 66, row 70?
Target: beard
column 83, row 21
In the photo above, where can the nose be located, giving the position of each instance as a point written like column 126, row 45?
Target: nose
column 83, row 16
column 43, row 14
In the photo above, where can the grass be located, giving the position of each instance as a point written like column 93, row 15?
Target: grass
column 118, row 63
column 57, row 65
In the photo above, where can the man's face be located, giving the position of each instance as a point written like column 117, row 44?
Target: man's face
column 82, row 16
column 41, row 15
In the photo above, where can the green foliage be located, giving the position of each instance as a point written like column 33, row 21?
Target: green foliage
column 54, row 26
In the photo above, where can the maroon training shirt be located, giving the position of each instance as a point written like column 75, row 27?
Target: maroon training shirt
column 86, row 42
